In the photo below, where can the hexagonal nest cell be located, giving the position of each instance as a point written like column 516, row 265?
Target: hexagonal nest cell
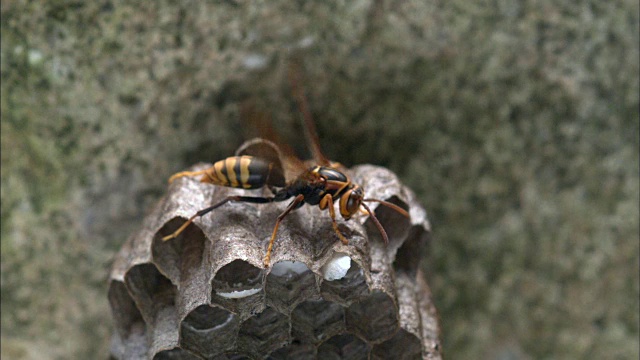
column 207, row 295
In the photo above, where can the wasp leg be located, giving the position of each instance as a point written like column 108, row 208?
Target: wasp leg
column 186, row 173
column 327, row 201
column 293, row 205
column 249, row 199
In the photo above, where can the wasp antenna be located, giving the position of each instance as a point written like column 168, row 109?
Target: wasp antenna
column 385, row 238
column 390, row 205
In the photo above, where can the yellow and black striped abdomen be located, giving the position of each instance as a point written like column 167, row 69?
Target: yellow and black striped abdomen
column 245, row 172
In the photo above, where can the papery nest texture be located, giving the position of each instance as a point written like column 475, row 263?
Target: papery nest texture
column 207, row 295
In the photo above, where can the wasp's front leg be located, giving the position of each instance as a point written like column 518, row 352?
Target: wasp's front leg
column 327, row 202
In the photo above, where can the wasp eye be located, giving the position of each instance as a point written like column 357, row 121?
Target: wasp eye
column 353, row 204
column 350, row 202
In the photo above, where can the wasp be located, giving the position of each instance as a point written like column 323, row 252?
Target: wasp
column 323, row 184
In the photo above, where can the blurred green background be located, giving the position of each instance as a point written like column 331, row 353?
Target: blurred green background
column 515, row 122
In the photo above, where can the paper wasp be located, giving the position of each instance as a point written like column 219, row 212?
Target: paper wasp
column 322, row 184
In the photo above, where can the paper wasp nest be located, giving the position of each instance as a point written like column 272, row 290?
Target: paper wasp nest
column 206, row 293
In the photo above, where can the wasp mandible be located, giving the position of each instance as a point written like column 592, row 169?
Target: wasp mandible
column 323, row 184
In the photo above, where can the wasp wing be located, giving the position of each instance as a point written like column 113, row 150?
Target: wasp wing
column 313, row 141
column 268, row 146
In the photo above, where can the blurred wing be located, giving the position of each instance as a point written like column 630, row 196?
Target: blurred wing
column 268, row 145
column 295, row 78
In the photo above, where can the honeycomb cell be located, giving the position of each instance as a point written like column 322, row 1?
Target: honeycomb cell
column 124, row 310
column 133, row 346
column 236, row 276
column 408, row 256
column 337, row 267
column 375, row 318
column 288, row 284
column 175, row 354
column 316, row 320
column 263, row 333
column 350, row 288
column 180, row 256
column 395, row 224
column 150, row 290
column 295, row 350
column 238, row 286
column 345, row 346
column 402, row 346
column 209, row 331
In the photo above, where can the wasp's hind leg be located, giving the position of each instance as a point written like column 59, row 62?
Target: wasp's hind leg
column 249, row 199
column 187, row 173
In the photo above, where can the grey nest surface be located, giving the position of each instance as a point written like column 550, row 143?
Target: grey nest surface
column 206, row 293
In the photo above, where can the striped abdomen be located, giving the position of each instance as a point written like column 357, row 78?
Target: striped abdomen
column 245, row 172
